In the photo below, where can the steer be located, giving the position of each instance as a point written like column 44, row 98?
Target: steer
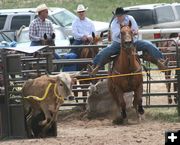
column 44, row 95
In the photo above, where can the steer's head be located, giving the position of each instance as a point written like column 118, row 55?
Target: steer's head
column 64, row 83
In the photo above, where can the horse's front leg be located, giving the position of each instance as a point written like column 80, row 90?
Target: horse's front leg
column 122, row 115
column 138, row 102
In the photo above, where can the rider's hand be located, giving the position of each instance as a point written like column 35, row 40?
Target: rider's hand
column 135, row 32
column 90, row 39
column 84, row 38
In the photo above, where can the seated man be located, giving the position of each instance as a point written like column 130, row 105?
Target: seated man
column 121, row 18
column 82, row 29
column 40, row 26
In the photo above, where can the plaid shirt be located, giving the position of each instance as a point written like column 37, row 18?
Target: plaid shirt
column 38, row 28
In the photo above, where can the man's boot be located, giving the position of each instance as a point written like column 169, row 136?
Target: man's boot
column 161, row 63
column 93, row 70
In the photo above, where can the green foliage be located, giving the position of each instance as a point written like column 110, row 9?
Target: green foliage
column 98, row 9
column 163, row 114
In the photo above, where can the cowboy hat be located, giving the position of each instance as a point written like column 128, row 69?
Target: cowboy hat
column 81, row 8
column 41, row 8
column 120, row 11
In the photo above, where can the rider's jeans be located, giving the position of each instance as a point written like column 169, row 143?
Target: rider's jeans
column 141, row 45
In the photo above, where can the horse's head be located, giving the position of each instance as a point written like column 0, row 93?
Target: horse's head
column 126, row 36
column 48, row 41
column 96, row 38
column 91, row 52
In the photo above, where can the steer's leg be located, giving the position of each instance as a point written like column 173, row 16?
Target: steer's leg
column 29, row 123
column 53, row 118
column 47, row 115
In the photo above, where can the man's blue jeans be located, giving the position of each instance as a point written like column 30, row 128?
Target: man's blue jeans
column 141, row 45
column 150, row 48
column 35, row 43
column 77, row 51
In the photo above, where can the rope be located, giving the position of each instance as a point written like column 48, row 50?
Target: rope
column 61, row 98
column 45, row 94
column 129, row 74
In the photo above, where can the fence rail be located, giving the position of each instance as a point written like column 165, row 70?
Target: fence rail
column 17, row 69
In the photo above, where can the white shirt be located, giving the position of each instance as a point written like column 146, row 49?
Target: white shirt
column 115, row 27
column 82, row 27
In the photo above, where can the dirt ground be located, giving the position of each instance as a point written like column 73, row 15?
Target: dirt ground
column 73, row 129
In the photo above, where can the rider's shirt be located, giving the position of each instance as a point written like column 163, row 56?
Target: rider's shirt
column 115, row 27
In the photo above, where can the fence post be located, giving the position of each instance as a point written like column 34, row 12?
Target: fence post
column 15, row 124
column 178, row 79
column 4, row 110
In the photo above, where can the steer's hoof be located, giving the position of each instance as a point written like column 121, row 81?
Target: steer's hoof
column 42, row 123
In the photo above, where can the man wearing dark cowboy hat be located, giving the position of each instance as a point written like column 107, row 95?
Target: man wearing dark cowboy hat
column 121, row 18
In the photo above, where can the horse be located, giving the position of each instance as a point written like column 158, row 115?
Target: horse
column 48, row 41
column 127, row 62
column 89, row 53
column 172, row 58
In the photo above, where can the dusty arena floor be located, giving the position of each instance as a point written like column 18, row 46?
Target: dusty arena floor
column 74, row 129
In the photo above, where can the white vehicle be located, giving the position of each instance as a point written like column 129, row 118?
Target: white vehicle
column 13, row 19
column 22, row 38
column 156, row 16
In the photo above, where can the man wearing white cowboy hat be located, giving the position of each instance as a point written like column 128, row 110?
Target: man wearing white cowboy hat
column 82, row 28
column 81, row 8
column 121, row 18
column 40, row 26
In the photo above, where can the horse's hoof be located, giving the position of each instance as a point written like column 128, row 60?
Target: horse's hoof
column 120, row 121
column 141, row 110
column 175, row 100
column 170, row 101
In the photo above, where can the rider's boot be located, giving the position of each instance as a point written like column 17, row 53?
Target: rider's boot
column 161, row 63
column 93, row 70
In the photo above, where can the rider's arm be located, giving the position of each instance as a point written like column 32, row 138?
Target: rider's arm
column 134, row 25
column 115, row 29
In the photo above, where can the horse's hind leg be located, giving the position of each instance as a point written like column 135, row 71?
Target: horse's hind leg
column 168, row 85
column 175, row 89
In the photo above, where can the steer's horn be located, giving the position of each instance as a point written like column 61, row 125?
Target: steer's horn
column 77, row 74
